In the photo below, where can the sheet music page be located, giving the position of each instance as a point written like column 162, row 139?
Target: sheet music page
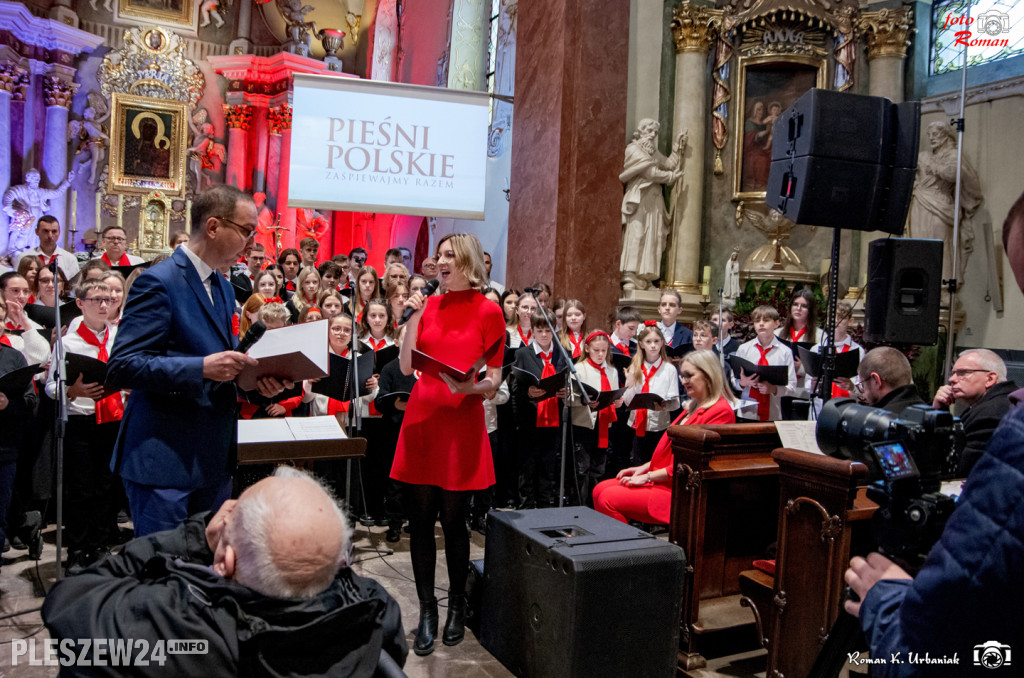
column 798, row 435
column 309, row 338
column 264, row 431
column 316, row 428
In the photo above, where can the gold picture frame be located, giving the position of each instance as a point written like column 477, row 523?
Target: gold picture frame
column 148, row 146
column 182, row 15
column 761, row 82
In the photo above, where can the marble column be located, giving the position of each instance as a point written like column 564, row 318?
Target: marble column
column 467, row 67
column 888, row 34
column 570, row 83
column 58, row 95
column 281, row 120
column 242, row 44
column 237, row 118
column 8, row 76
column 694, row 29
column 385, row 42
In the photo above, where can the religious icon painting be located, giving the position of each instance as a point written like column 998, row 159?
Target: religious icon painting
column 148, row 148
column 180, row 15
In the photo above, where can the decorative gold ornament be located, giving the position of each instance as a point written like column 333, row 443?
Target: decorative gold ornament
column 154, row 224
column 10, row 76
column 888, row 31
column 279, row 118
column 783, row 36
column 695, row 27
column 238, row 117
column 152, row 63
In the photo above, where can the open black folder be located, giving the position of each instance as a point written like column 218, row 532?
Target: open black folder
column 14, row 383
column 846, row 363
column 45, row 316
column 290, row 353
column 550, row 385
column 435, row 368
column 603, row 398
column 92, row 371
column 338, row 383
column 645, row 401
column 777, row 375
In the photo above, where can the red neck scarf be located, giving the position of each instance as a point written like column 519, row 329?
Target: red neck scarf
column 4, row 341
column 525, row 337
column 110, row 408
column 623, row 348
column 797, row 336
column 44, row 260
column 763, row 399
column 12, row 326
column 837, row 391
column 378, row 345
column 123, row 261
column 577, row 343
column 606, row 416
column 547, row 409
column 640, row 420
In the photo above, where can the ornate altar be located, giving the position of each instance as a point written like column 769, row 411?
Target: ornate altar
column 154, row 224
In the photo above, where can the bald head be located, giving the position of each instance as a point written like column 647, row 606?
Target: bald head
column 288, row 536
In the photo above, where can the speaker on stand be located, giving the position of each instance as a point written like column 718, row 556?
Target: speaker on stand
column 904, row 288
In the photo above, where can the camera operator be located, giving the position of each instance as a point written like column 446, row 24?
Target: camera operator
column 968, row 598
column 978, row 383
column 886, row 381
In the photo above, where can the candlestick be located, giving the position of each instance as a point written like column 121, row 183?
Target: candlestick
column 705, row 290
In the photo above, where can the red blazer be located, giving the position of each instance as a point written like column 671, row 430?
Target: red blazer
column 659, row 504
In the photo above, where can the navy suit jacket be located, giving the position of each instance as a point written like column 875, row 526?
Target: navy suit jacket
column 179, row 429
column 681, row 335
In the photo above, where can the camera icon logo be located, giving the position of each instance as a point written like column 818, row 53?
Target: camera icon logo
column 994, row 22
column 992, row 655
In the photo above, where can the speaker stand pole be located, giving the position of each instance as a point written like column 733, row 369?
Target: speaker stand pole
column 828, row 347
column 953, row 282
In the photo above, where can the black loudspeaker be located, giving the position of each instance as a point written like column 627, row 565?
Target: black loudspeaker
column 845, row 161
column 572, row 592
column 904, row 287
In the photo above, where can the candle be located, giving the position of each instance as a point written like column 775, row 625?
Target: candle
column 707, row 275
column 824, row 266
column 705, row 290
column 99, row 207
column 120, row 211
column 864, row 280
column 74, row 217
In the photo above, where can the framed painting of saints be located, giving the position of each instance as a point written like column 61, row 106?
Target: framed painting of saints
column 180, row 15
column 767, row 87
column 148, row 148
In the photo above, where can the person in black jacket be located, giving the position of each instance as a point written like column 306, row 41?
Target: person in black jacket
column 15, row 409
column 392, row 408
column 886, row 381
column 978, row 382
column 264, row 582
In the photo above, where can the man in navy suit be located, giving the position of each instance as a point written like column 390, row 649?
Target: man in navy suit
column 176, row 450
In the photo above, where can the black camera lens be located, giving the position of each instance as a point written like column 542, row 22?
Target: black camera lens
column 844, row 428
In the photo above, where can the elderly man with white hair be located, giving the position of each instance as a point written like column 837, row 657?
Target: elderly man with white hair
column 978, row 385
column 265, row 582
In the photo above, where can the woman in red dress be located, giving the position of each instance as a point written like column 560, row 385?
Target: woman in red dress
column 443, row 452
column 644, row 493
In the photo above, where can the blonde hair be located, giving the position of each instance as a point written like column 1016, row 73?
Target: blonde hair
column 299, row 298
column 711, row 369
column 635, row 371
column 563, row 334
column 469, row 257
column 273, row 312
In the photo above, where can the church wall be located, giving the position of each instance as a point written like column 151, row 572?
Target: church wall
column 646, row 40
column 424, row 38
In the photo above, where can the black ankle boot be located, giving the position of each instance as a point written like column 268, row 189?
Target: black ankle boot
column 423, row 644
column 455, row 624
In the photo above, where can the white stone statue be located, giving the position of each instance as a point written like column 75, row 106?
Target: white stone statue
column 106, row 5
column 731, row 289
column 643, row 207
column 24, row 204
column 208, row 9
column 91, row 135
column 931, row 207
column 297, row 28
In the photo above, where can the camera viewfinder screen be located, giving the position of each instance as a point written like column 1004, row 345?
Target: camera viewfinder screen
column 894, row 460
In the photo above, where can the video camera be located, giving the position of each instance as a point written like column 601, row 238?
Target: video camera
column 907, row 459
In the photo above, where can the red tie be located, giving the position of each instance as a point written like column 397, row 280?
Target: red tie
column 763, row 399
column 623, row 349
column 289, row 285
column 378, row 345
column 577, row 344
column 45, row 262
column 796, row 336
column 606, row 416
column 4, row 341
column 110, row 408
column 640, row 420
column 524, row 337
column 838, row 392
column 547, row 410
column 123, row 261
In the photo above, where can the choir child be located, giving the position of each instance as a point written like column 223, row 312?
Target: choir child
column 624, row 327
column 537, row 421
column 367, row 288
column 844, row 343
column 573, row 327
column 651, row 372
column 306, row 294
column 290, row 262
column 377, row 329
column 766, row 349
column 674, row 333
column 590, row 426
column 727, row 343
column 392, row 410
column 521, row 332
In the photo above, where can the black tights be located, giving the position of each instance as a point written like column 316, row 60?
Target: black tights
column 427, row 503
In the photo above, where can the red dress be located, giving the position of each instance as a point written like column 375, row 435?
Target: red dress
column 443, row 440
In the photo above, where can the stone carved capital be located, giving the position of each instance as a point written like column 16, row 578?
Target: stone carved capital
column 238, row 117
column 12, row 79
column 57, row 92
column 280, row 119
column 887, row 31
column 695, row 27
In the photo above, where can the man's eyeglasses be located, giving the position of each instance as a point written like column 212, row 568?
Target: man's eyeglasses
column 963, row 372
column 114, row 238
column 249, row 233
column 99, row 300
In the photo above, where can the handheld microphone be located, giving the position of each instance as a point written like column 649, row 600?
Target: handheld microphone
column 251, row 337
column 52, row 266
column 430, row 288
column 531, row 290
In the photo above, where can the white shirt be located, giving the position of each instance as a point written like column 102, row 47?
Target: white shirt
column 667, row 332
column 778, row 355
column 202, row 268
column 496, row 286
column 74, row 343
column 67, row 261
column 132, row 259
column 514, row 340
column 582, row 415
column 664, row 382
column 491, row 407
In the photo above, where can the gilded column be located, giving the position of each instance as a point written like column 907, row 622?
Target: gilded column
column 468, row 62
column 58, row 95
column 887, row 32
column 694, row 28
column 281, row 121
column 237, row 118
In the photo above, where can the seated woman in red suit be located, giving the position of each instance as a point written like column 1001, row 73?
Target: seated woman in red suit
column 644, row 493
